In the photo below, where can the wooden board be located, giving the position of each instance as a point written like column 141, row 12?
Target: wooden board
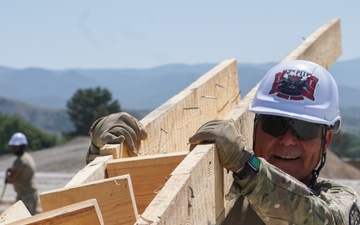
column 170, row 205
column 148, row 173
column 191, row 195
column 94, row 171
column 114, row 195
column 322, row 47
column 86, row 212
column 213, row 95
column 16, row 212
column 111, row 149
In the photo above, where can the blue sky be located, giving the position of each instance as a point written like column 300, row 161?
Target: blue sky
column 63, row 34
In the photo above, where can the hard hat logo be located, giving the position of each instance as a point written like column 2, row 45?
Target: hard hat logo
column 294, row 85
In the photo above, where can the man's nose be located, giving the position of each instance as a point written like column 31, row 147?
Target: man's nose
column 288, row 138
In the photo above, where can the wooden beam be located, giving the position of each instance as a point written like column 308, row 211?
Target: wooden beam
column 218, row 87
column 148, row 173
column 86, row 212
column 114, row 195
column 94, row 171
column 213, row 95
column 111, row 149
column 116, row 150
column 164, row 210
column 322, row 47
column 15, row 212
column 191, row 195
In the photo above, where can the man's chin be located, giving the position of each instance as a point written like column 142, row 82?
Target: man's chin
column 288, row 167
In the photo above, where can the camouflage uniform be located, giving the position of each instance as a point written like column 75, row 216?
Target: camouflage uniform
column 278, row 198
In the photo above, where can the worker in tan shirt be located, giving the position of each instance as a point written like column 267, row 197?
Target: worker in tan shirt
column 22, row 173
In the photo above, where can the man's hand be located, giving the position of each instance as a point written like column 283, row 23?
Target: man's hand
column 7, row 175
column 227, row 139
column 117, row 128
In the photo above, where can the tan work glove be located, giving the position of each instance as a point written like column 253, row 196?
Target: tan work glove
column 228, row 142
column 116, row 128
column 230, row 147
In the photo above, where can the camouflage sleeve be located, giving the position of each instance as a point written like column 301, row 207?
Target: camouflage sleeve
column 278, row 198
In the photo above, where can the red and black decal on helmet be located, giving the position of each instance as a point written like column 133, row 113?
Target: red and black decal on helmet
column 294, row 85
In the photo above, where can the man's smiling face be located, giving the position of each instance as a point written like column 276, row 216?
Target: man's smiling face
column 295, row 157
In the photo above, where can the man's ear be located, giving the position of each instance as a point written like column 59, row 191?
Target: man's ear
column 256, row 122
column 328, row 139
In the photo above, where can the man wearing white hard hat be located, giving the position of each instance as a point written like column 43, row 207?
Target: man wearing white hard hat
column 296, row 114
column 22, row 173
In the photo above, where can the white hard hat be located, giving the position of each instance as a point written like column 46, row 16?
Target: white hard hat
column 299, row 89
column 18, row 139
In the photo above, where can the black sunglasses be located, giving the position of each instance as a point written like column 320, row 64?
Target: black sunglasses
column 278, row 125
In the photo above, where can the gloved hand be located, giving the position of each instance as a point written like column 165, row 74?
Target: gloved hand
column 228, row 142
column 116, row 128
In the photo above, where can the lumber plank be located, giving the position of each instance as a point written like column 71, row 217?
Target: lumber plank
column 15, row 212
column 114, row 195
column 86, row 212
column 213, row 95
column 171, row 210
column 322, row 47
column 94, row 171
column 192, row 194
column 116, row 150
column 111, row 149
column 148, row 173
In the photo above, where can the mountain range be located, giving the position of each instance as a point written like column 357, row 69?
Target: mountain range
column 136, row 89
column 143, row 88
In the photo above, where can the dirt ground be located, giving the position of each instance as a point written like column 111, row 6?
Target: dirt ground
column 56, row 166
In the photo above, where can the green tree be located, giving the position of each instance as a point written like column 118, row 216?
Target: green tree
column 37, row 139
column 87, row 105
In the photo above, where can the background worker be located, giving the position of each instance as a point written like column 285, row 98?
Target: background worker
column 22, row 172
column 296, row 113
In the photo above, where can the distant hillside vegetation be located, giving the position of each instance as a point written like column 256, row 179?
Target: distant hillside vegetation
column 351, row 120
column 50, row 120
column 46, row 119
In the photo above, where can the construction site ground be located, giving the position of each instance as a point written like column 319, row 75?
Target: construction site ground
column 56, row 166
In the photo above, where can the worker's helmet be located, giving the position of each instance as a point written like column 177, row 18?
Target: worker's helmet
column 18, row 139
column 301, row 90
